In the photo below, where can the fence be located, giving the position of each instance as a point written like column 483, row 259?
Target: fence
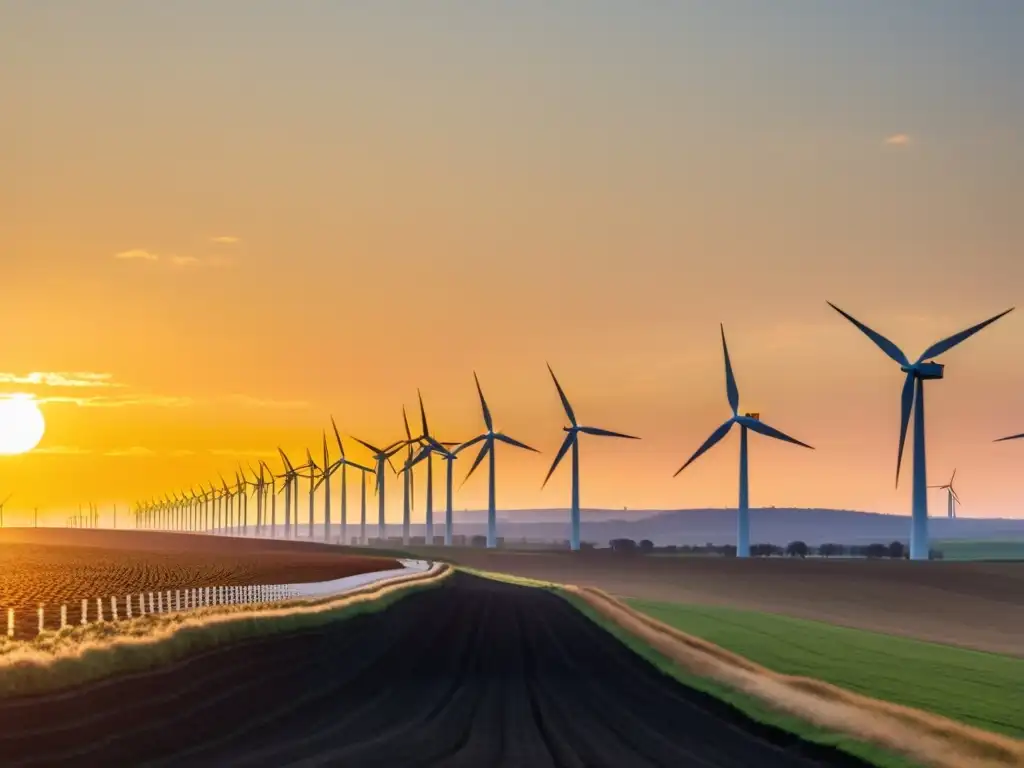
column 165, row 601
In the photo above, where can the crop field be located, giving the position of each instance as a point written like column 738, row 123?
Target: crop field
column 980, row 689
column 472, row 673
column 54, row 567
column 1004, row 549
column 968, row 604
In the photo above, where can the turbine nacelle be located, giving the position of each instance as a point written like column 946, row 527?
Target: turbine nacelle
column 925, row 370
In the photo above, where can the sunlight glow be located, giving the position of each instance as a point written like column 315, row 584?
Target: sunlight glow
column 21, row 424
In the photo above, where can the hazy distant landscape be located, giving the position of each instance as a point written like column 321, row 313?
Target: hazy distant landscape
column 770, row 525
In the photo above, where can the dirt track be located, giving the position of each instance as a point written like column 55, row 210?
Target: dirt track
column 474, row 673
column 975, row 605
column 58, row 566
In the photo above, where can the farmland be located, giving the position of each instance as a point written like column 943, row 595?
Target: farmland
column 968, row 604
column 53, row 567
column 979, row 689
column 1002, row 549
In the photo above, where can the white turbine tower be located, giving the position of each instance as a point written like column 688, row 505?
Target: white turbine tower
column 747, row 421
column 572, row 441
column 489, row 438
column 343, row 464
column 381, row 456
column 917, row 373
column 951, row 498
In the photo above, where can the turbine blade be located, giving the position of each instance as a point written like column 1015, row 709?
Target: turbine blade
column 561, row 394
column 1011, row 437
column 566, row 444
column 605, row 433
column 405, row 420
column 483, row 405
column 731, row 390
column 488, row 445
column 468, row 443
column 906, row 403
column 424, row 452
column 717, row 435
column 883, row 343
column 423, row 414
column 516, row 443
column 373, row 449
column 337, row 436
column 287, row 464
column 768, row 431
column 945, row 345
column 952, row 478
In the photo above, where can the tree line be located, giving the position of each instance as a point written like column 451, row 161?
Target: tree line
column 895, row 550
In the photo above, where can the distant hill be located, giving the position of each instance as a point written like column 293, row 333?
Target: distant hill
column 718, row 526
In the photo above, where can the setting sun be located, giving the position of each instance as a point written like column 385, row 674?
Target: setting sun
column 21, row 425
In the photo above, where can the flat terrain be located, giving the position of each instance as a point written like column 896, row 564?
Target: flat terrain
column 1003, row 549
column 473, row 673
column 974, row 605
column 57, row 566
column 976, row 688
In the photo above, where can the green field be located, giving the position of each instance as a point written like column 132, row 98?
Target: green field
column 1000, row 549
column 980, row 689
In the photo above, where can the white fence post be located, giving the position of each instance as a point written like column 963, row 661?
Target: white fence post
column 177, row 599
column 128, row 605
column 151, row 604
column 159, row 602
column 142, row 605
column 40, row 618
column 113, row 608
column 64, row 616
column 85, row 612
column 10, row 622
column 99, row 609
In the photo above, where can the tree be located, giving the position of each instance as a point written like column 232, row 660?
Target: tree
column 622, row 545
column 646, row 546
column 797, row 549
column 896, row 550
column 830, row 550
column 876, row 550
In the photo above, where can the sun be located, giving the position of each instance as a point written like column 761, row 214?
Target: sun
column 21, row 424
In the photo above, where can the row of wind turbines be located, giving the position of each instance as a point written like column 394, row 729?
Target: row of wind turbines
column 214, row 509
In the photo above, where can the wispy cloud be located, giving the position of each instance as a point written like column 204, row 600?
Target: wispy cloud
column 225, row 239
column 137, row 253
column 134, row 451
column 122, row 402
column 63, row 450
column 249, row 401
column 86, row 379
column 184, row 261
column 898, row 140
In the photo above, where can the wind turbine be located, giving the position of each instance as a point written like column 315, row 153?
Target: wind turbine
column 273, row 498
column 408, row 443
column 951, row 498
column 291, row 477
column 343, row 463
column 572, row 441
column 325, row 480
column 313, row 469
column 2, row 505
column 381, row 456
column 228, row 506
column 489, row 438
column 748, row 421
column 426, row 452
column 921, row 370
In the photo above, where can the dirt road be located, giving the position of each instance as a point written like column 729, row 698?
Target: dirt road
column 474, row 673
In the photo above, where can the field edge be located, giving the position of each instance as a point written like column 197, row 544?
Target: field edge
column 158, row 640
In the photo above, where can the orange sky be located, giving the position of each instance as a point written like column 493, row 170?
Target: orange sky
column 323, row 211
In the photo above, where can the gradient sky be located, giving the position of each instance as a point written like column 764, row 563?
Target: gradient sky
column 322, row 206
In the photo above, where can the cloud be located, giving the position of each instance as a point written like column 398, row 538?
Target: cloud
column 122, row 402
column 184, row 261
column 255, row 402
column 61, row 379
column 137, row 253
column 63, row 450
column 898, row 140
column 225, row 239
column 135, row 450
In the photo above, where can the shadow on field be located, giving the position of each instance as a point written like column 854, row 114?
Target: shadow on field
column 473, row 673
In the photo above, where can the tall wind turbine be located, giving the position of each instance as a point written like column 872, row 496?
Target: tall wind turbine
column 290, row 477
column 921, row 370
column 313, row 469
column 2, row 505
column 951, row 498
column 325, row 480
column 343, row 463
column 272, row 482
column 748, row 421
column 489, row 438
column 407, row 488
column 381, row 456
column 572, row 441
column 426, row 452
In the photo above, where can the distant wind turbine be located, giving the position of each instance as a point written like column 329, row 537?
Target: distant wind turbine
column 951, row 498
column 921, row 370
column 290, row 477
column 747, row 421
column 572, row 441
column 2, row 505
column 312, row 467
column 343, row 463
column 489, row 438
column 381, row 456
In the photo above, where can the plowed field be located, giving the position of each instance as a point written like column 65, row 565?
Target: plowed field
column 54, row 567
column 474, row 673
